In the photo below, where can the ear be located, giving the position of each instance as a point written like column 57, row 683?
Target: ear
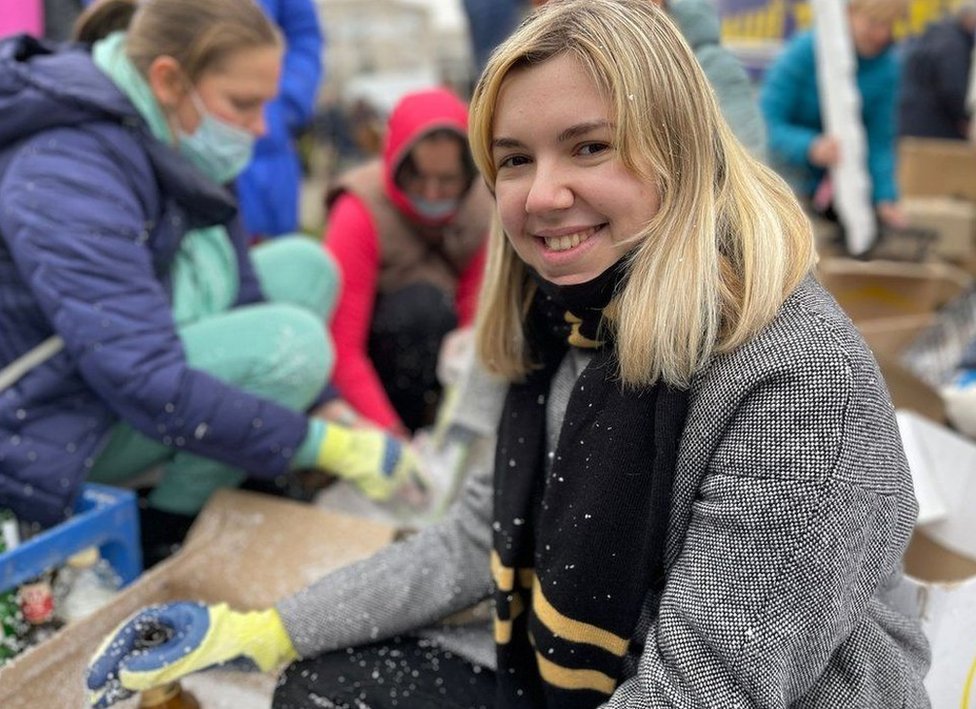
column 167, row 81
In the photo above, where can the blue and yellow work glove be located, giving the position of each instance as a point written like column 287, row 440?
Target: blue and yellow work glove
column 372, row 460
column 160, row 644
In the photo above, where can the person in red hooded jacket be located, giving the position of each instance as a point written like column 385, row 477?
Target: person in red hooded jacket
column 408, row 231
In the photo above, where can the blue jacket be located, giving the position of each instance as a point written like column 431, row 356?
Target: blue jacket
column 92, row 211
column 268, row 189
column 791, row 105
column 933, row 95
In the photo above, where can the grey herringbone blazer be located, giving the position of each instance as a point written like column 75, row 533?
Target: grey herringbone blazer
column 792, row 507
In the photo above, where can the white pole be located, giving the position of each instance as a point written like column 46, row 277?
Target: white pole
column 840, row 106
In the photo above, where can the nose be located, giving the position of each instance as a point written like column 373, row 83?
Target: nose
column 431, row 190
column 882, row 32
column 549, row 190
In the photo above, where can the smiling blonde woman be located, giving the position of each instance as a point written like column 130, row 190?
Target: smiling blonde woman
column 698, row 496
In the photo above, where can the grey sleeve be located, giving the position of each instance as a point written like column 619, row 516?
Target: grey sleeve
column 481, row 396
column 407, row 585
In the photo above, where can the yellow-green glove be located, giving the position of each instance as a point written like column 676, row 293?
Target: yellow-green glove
column 374, row 461
column 194, row 637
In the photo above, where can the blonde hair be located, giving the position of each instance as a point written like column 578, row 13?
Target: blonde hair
column 882, row 10
column 729, row 241
column 199, row 34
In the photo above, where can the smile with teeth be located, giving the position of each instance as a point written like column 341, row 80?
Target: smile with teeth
column 568, row 241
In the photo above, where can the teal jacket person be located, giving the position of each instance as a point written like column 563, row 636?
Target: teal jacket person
column 791, row 105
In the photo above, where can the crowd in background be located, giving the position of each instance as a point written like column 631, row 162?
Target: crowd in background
column 195, row 337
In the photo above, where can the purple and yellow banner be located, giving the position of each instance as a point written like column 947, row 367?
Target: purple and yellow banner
column 771, row 20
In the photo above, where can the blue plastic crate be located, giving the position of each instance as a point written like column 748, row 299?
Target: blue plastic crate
column 105, row 517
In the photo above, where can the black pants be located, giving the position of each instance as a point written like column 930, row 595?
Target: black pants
column 404, row 340
column 408, row 673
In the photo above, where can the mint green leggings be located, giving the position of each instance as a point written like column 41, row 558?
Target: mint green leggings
column 253, row 347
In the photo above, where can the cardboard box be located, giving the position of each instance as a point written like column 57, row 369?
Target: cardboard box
column 929, row 167
column 245, row 548
column 891, row 303
column 941, row 590
column 941, row 559
column 889, row 337
column 954, row 220
column 881, row 289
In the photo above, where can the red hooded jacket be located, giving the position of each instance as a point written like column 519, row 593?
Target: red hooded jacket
column 352, row 238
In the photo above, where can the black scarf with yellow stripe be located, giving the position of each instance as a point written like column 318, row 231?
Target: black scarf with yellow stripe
column 578, row 543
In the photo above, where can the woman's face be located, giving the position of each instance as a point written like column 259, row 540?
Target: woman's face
column 236, row 92
column 871, row 34
column 436, row 171
column 566, row 202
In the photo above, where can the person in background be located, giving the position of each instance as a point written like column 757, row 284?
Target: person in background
column 60, row 17
column 790, row 101
column 407, row 230
column 489, row 23
column 268, row 190
column 699, row 24
column 699, row 495
column 138, row 331
column 935, row 78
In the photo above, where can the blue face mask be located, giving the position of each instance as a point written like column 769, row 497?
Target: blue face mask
column 219, row 149
column 434, row 208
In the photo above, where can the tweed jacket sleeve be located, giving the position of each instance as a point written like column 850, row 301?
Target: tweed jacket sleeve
column 407, row 585
column 792, row 508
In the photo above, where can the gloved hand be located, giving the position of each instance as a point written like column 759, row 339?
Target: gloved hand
column 194, row 637
column 376, row 462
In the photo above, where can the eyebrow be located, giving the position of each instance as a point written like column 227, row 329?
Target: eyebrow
column 570, row 133
column 581, row 129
